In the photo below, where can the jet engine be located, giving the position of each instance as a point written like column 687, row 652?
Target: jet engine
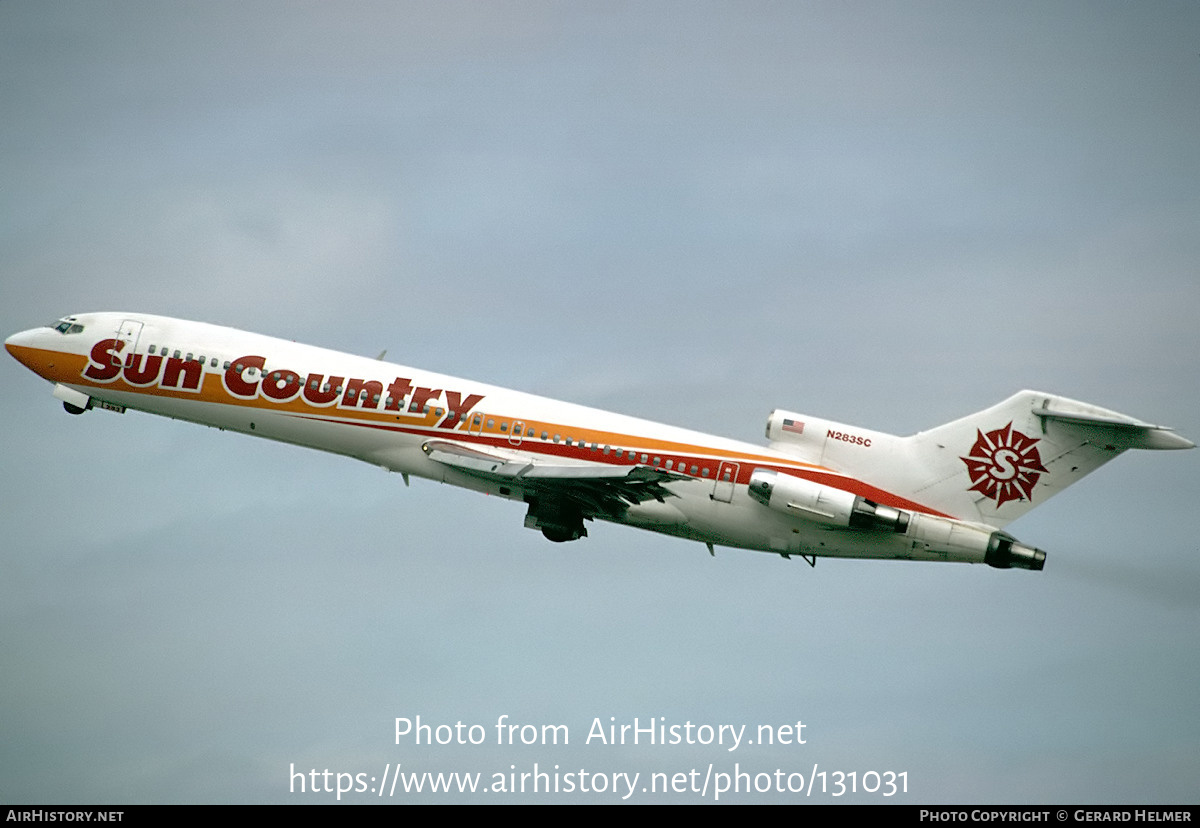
column 835, row 507
column 824, row 504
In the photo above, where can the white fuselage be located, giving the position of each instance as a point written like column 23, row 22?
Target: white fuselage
column 388, row 414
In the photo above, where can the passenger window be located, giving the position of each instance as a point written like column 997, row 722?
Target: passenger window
column 151, row 350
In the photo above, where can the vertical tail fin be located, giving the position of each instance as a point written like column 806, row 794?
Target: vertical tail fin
column 994, row 466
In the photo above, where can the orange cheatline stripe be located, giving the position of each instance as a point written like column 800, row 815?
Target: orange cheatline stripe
column 67, row 368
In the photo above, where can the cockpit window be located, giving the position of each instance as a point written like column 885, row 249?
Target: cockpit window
column 66, row 327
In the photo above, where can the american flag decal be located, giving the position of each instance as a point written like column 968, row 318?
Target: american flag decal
column 794, row 426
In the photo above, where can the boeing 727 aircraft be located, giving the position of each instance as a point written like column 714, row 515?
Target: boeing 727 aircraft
column 818, row 488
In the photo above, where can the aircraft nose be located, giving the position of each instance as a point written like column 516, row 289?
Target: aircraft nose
column 19, row 342
column 22, row 338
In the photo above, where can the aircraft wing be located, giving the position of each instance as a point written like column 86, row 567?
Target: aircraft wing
column 595, row 488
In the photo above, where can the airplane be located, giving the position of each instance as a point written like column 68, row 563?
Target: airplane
column 817, row 489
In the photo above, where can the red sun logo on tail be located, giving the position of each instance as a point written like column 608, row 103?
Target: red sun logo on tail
column 1004, row 465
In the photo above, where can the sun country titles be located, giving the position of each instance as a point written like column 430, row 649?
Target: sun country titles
column 245, row 378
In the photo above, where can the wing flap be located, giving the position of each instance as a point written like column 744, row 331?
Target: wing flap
column 597, row 488
column 471, row 459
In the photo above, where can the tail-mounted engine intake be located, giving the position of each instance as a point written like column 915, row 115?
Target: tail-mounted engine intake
column 835, row 507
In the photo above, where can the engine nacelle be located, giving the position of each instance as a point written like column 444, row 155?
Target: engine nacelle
column 825, row 504
column 823, row 442
column 944, row 536
column 975, row 544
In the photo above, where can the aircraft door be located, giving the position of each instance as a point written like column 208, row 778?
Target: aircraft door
column 129, row 333
column 723, row 486
column 517, row 434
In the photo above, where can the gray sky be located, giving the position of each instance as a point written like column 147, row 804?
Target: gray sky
column 890, row 214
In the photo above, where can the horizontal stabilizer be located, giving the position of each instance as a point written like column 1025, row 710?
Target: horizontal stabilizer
column 994, row 466
column 1131, row 433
